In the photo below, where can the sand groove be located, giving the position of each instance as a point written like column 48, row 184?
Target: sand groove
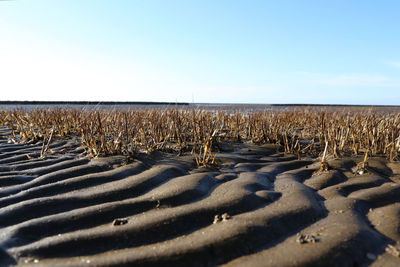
column 251, row 210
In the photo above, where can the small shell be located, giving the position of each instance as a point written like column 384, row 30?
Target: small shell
column 225, row 216
column 217, row 219
column 392, row 250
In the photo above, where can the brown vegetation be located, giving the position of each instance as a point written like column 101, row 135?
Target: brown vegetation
column 127, row 131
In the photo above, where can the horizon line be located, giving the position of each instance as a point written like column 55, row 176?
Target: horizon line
column 107, row 103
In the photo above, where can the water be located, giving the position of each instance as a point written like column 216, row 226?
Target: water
column 205, row 106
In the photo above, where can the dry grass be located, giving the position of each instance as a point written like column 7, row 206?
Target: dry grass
column 129, row 131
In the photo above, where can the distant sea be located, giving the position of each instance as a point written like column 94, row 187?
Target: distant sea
column 7, row 105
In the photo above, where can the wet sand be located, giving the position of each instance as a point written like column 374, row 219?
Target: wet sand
column 257, row 207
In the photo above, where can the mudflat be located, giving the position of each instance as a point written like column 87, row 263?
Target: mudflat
column 256, row 207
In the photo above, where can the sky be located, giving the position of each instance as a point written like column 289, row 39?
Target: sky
column 217, row 51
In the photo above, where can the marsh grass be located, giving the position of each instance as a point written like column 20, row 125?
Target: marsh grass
column 302, row 132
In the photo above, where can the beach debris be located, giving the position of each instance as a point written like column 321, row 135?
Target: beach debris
column 361, row 170
column 86, row 261
column 217, row 218
column 225, row 216
column 304, row 239
column 221, row 218
column 10, row 140
column 362, row 167
column 120, row 221
column 392, row 250
column 30, row 260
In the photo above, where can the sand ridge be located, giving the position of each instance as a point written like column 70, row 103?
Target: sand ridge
column 257, row 207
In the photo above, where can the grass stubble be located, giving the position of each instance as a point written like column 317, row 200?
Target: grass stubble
column 305, row 131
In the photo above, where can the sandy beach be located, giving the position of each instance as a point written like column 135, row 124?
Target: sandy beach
column 256, row 207
column 199, row 133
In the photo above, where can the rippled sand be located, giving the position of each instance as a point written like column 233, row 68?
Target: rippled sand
column 258, row 207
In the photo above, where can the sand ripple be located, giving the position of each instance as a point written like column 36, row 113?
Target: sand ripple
column 257, row 208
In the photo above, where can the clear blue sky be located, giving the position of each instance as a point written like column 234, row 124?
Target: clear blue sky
column 345, row 52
